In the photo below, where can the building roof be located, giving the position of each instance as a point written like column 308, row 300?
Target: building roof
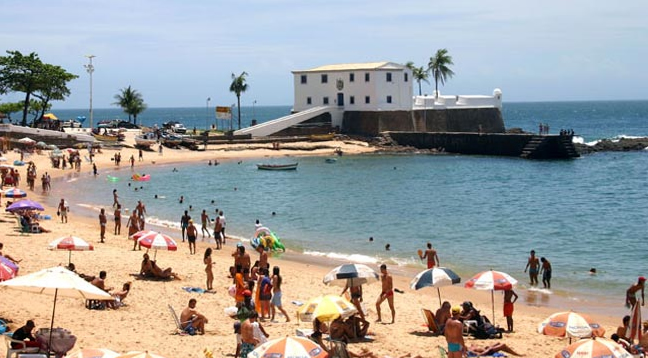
column 355, row 67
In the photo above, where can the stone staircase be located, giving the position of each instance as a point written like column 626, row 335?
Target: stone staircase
column 569, row 146
column 549, row 147
column 534, row 143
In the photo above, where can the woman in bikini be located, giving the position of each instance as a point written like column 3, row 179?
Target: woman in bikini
column 208, row 268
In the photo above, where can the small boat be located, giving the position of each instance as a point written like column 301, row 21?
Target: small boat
column 170, row 140
column 330, row 160
column 292, row 166
column 108, row 136
column 145, row 140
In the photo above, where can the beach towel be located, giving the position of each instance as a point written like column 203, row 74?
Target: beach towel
column 194, row 289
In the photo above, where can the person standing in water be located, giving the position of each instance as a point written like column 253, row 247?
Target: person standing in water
column 533, row 265
column 431, row 255
column 546, row 273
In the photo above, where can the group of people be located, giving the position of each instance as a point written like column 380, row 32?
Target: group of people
column 537, row 266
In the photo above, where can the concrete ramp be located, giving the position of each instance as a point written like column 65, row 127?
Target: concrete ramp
column 271, row 127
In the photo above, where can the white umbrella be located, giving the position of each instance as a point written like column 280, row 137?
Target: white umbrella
column 70, row 243
column 593, row 348
column 56, row 281
column 353, row 274
column 26, row 140
column 435, row 277
column 492, row 280
column 289, row 347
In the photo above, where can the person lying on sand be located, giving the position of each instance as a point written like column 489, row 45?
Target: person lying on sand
column 489, row 350
column 150, row 269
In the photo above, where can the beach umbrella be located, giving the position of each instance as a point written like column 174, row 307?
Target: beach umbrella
column 8, row 269
column 26, row 140
column 157, row 241
column 3, row 159
column 435, row 277
column 635, row 326
column 50, row 116
column 141, row 233
column 353, row 274
column 92, row 353
column 594, row 348
column 289, row 347
column 326, row 308
column 25, row 205
column 70, row 243
column 493, row 281
column 57, row 281
column 41, row 145
column 145, row 354
column 14, row 193
column 52, row 147
column 570, row 324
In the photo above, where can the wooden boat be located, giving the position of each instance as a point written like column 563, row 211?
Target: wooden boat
column 292, row 166
column 171, row 141
column 145, row 140
column 321, row 137
column 109, row 137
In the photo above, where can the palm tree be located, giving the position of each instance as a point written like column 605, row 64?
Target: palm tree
column 439, row 66
column 239, row 86
column 131, row 102
column 419, row 74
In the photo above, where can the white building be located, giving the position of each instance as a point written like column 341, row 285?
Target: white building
column 372, row 86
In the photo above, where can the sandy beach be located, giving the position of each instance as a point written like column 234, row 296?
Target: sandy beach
column 145, row 322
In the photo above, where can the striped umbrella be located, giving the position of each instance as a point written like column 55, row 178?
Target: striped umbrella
column 570, row 324
column 635, row 326
column 157, row 241
column 141, row 233
column 594, row 348
column 8, row 269
column 14, row 193
column 354, row 274
column 435, row 277
column 93, row 353
column 289, row 347
column 326, row 308
column 493, row 281
column 70, row 243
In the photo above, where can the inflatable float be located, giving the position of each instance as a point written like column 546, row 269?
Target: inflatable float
column 138, row 177
column 268, row 239
column 111, row 178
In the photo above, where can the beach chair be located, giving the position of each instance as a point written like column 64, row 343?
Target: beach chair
column 430, row 322
column 22, row 349
column 176, row 320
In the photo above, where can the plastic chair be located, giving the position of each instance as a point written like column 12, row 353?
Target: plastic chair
column 430, row 322
column 11, row 352
column 176, row 320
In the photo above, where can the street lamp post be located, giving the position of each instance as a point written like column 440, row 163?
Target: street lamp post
column 207, row 118
column 90, row 68
column 231, row 119
column 253, row 111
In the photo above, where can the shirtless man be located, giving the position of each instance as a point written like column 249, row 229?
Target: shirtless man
column 115, row 198
column 453, row 333
column 101, row 282
column 533, row 265
column 631, row 293
column 184, row 222
column 431, row 255
column 117, row 216
column 243, row 259
column 204, row 219
column 192, row 233
column 509, row 299
column 190, row 317
column 386, row 294
column 63, row 210
column 356, row 297
column 140, row 209
column 546, row 273
column 133, row 228
column 102, row 223
column 263, row 257
column 248, row 341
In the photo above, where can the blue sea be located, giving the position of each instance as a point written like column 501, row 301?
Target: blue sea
column 479, row 212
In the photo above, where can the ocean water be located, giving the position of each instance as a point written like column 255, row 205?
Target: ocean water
column 479, row 212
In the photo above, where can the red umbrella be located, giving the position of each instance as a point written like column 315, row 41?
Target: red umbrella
column 491, row 280
column 70, row 243
column 141, row 233
column 157, row 241
column 8, row 269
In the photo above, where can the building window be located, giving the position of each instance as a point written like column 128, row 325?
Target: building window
column 367, row 99
column 406, row 77
column 304, row 79
column 351, row 77
column 309, row 100
column 325, row 101
column 352, row 100
column 389, row 99
column 389, row 77
column 324, row 78
column 367, row 77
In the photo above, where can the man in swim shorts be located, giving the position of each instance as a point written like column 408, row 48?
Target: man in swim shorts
column 453, row 333
column 102, row 223
column 431, row 255
column 533, row 265
column 63, row 210
column 248, row 341
column 204, row 219
column 546, row 273
column 631, row 293
column 184, row 222
column 192, row 233
column 387, row 293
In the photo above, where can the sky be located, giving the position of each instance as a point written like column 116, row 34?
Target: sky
column 179, row 53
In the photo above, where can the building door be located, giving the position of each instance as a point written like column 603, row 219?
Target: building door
column 340, row 99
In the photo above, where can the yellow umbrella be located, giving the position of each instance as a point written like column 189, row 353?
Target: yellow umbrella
column 50, row 116
column 326, row 309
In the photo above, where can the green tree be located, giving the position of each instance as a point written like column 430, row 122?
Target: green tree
column 239, row 86
column 54, row 86
column 419, row 74
column 131, row 102
column 9, row 108
column 439, row 65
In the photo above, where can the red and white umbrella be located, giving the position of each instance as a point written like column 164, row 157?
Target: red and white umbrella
column 93, row 353
column 8, row 269
column 593, row 348
column 493, row 281
column 157, row 241
column 141, row 233
column 570, row 324
column 70, row 243
column 289, row 347
column 14, row 193
column 635, row 326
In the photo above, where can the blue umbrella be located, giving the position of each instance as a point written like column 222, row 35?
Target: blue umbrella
column 435, row 277
column 25, row 205
column 14, row 193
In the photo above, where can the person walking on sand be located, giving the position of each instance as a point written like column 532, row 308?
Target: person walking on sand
column 141, row 155
column 192, row 233
column 115, row 198
column 546, row 273
column 63, row 211
column 207, row 260
column 453, row 333
column 533, row 265
column 275, row 302
column 184, row 222
column 133, row 227
column 431, row 255
column 102, row 224
column 218, row 233
column 117, row 216
column 386, row 294
column 631, row 293
column 132, row 161
column 204, row 219
column 509, row 299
